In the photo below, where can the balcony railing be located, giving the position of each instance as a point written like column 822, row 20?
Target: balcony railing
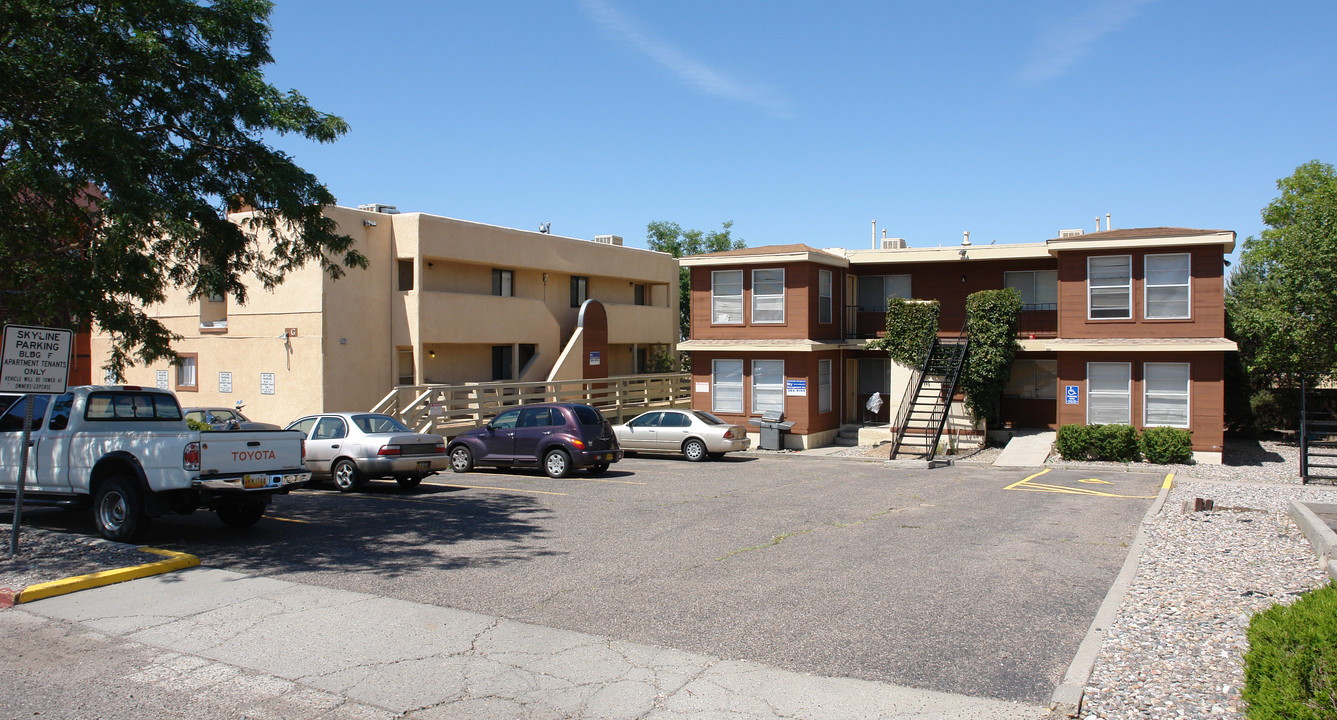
column 1039, row 320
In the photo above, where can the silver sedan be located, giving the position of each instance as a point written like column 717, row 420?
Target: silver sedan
column 694, row 433
column 352, row 448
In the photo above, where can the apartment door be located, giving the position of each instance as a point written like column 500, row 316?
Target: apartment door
column 874, row 377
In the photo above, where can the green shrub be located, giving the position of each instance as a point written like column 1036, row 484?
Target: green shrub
column 1277, row 409
column 194, row 424
column 1166, row 445
column 1117, row 443
column 909, row 325
column 1072, row 442
column 1290, row 671
column 991, row 322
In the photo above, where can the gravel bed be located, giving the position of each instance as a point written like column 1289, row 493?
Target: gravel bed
column 1176, row 648
column 45, row 556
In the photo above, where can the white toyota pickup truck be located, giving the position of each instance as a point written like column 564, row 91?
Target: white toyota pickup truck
column 126, row 452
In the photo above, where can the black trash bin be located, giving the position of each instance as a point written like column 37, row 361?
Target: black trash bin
column 771, row 428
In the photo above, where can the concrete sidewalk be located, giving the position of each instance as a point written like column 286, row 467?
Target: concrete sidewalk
column 425, row 661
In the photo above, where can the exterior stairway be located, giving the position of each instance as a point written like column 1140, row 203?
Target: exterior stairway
column 848, row 436
column 928, row 399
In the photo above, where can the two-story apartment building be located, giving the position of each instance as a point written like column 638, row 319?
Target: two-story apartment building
column 442, row 301
column 1120, row 326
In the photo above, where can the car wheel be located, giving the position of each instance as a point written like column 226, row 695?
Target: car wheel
column 598, row 469
column 461, row 459
column 240, row 516
column 556, row 463
column 118, row 510
column 346, row 476
column 408, row 481
column 694, row 449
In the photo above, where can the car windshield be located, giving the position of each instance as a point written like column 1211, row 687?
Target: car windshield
column 379, row 424
column 707, row 418
column 587, row 415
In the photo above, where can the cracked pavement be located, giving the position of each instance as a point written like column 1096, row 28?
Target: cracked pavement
column 213, row 643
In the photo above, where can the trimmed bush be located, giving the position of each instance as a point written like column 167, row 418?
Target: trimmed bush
column 1166, row 445
column 1116, row 443
column 1072, row 442
column 194, row 424
column 1290, row 671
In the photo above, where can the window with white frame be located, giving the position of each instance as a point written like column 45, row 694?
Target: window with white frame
column 726, row 297
column 768, row 385
column 726, row 381
column 823, row 386
column 768, row 295
column 1167, row 278
column 1109, row 287
column 1108, row 393
column 824, row 296
column 1037, row 287
column 874, row 291
column 1165, row 394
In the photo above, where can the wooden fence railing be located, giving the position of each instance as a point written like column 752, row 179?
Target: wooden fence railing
column 451, row 409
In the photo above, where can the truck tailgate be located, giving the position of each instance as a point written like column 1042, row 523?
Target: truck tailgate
column 237, row 452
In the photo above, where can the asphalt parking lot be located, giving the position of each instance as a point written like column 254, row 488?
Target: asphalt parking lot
column 967, row 580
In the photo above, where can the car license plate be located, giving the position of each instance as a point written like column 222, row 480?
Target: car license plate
column 424, row 465
column 609, row 457
column 254, row 481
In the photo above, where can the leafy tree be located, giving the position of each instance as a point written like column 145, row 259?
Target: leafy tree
column 1283, row 296
column 991, row 322
column 669, row 237
column 128, row 130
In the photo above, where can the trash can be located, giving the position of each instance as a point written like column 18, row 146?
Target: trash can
column 771, row 428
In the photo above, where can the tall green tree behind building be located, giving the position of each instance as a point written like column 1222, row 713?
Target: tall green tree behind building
column 669, row 237
column 128, row 130
column 1282, row 299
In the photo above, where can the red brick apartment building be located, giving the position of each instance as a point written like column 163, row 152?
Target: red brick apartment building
column 1120, row 326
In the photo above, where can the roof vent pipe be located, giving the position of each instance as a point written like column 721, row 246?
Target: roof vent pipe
column 874, row 238
column 1097, row 223
column 1108, row 225
column 965, row 238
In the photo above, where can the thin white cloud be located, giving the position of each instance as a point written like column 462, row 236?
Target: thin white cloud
column 689, row 70
column 1065, row 43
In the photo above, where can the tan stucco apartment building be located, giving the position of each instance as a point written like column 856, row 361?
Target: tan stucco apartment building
column 442, row 301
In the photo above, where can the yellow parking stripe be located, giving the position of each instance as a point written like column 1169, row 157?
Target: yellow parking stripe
column 1026, row 484
column 604, row 480
column 291, row 520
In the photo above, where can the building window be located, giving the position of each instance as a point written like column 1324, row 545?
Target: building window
column 406, row 374
column 579, row 290
column 1108, row 392
column 824, row 296
column 501, row 362
column 216, row 297
column 1165, row 394
column 503, row 283
column 1037, row 287
column 768, row 296
column 1109, row 287
column 1033, row 379
column 187, row 377
column 823, row 386
column 405, row 275
column 726, row 386
column 639, row 296
column 1167, row 286
column 875, row 290
column 768, row 385
column 726, row 297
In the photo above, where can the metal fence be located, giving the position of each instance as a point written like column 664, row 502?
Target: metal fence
column 451, row 409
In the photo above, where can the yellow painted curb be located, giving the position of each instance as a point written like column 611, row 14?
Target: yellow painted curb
column 175, row 561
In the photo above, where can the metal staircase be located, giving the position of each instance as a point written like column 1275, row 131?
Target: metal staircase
column 1318, row 441
column 928, row 398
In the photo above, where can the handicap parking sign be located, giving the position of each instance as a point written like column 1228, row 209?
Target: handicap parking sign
column 1070, row 394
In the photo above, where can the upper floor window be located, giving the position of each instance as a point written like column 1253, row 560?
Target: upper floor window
column 823, row 296
column 503, row 283
column 405, row 275
column 768, row 296
column 1037, row 287
column 875, row 290
column 1167, row 286
column 639, row 296
column 1109, row 287
column 726, row 297
column 580, row 287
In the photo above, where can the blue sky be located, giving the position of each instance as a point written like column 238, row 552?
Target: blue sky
column 803, row 122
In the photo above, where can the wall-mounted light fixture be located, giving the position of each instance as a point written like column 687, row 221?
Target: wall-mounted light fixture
column 961, row 253
column 431, row 353
column 368, row 223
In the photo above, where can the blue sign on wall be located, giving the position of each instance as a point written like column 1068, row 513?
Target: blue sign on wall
column 1070, row 395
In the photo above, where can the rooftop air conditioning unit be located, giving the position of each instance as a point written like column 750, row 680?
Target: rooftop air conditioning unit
column 893, row 243
column 379, row 208
column 608, row 239
column 1070, row 233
